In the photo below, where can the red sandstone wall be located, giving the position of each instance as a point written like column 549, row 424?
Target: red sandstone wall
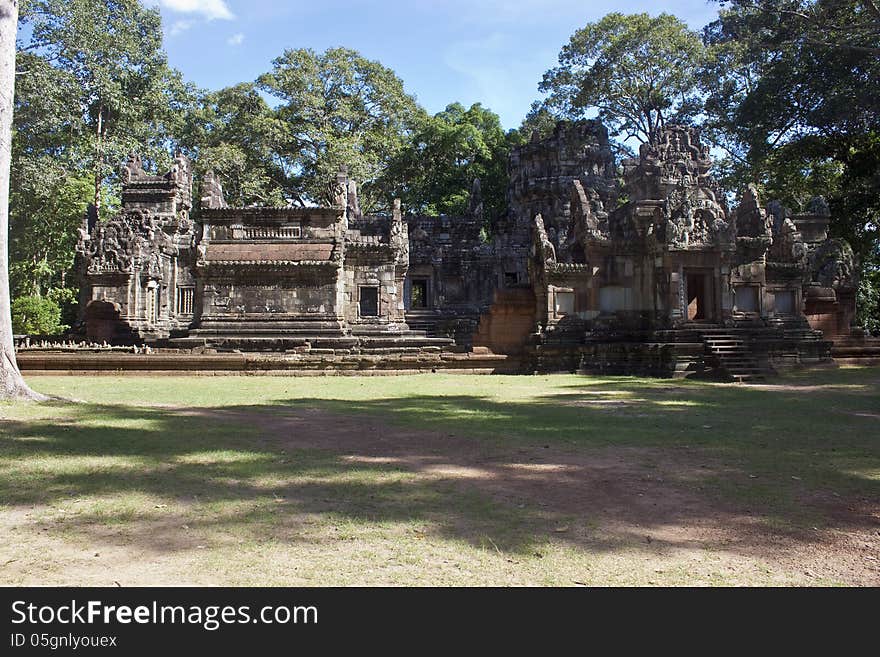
column 833, row 318
column 507, row 325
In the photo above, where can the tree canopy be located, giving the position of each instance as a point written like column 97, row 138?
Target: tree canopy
column 338, row 109
column 793, row 98
column 434, row 173
column 119, row 93
column 236, row 134
column 638, row 71
column 92, row 85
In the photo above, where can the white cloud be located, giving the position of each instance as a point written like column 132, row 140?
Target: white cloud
column 235, row 39
column 178, row 27
column 209, row 9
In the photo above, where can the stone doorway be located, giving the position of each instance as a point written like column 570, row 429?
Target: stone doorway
column 699, row 297
column 103, row 321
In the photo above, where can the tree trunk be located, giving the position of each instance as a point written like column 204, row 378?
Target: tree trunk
column 12, row 384
column 99, row 160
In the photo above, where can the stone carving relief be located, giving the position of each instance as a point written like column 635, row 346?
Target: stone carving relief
column 833, row 265
column 399, row 235
column 543, row 247
column 212, row 192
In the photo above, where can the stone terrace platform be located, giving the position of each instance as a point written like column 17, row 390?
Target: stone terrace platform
column 316, row 362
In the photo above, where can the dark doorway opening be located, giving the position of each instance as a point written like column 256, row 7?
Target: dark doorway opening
column 418, row 299
column 369, row 302
column 699, row 298
column 103, row 321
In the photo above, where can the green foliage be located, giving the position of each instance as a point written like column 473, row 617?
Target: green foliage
column 784, row 69
column 236, row 134
column 47, row 203
column 92, row 85
column 434, row 173
column 118, row 92
column 638, row 71
column 338, row 109
column 67, row 299
column 540, row 121
column 35, row 315
column 868, row 299
column 793, row 97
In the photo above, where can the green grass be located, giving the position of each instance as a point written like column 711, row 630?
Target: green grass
column 181, row 480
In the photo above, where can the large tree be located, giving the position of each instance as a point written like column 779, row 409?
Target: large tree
column 434, row 173
column 119, row 87
column 92, row 85
column 790, row 71
column 793, row 96
column 51, row 182
column 235, row 133
column 12, row 385
column 638, row 71
column 339, row 109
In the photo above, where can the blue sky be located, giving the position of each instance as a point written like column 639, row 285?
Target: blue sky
column 488, row 51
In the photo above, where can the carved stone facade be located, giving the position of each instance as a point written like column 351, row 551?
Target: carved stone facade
column 673, row 254
column 569, row 268
column 675, row 258
column 134, row 263
column 266, row 278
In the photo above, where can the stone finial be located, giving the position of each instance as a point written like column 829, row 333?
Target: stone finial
column 544, row 247
column 212, row 192
column 181, row 170
column 475, row 202
column 399, row 235
column 584, row 222
column 818, row 206
column 133, row 169
column 338, row 191
column 354, row 208
column 751, row 219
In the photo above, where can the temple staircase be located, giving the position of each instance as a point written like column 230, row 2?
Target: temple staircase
column 733, row 353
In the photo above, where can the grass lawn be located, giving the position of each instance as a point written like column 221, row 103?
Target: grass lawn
column 443, row 479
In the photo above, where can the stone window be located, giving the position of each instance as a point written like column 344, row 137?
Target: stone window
column 783, row 302
column 564, row 303
column 613, row 298
column 368, row 303
column 185, row 300
column 418, row 299
column 746, row 298
column 510, row 279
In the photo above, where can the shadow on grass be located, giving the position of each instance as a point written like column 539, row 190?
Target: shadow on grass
column 597, row 467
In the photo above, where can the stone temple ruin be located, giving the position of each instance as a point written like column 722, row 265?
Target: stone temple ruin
column 668, row 282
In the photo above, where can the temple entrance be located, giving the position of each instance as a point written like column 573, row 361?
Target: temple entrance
column 102, row 321
column 699, row 297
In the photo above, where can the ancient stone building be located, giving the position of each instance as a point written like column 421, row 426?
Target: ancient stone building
column 672, row 273
column 669, row 281
column 275, row 278
column 137, row 265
